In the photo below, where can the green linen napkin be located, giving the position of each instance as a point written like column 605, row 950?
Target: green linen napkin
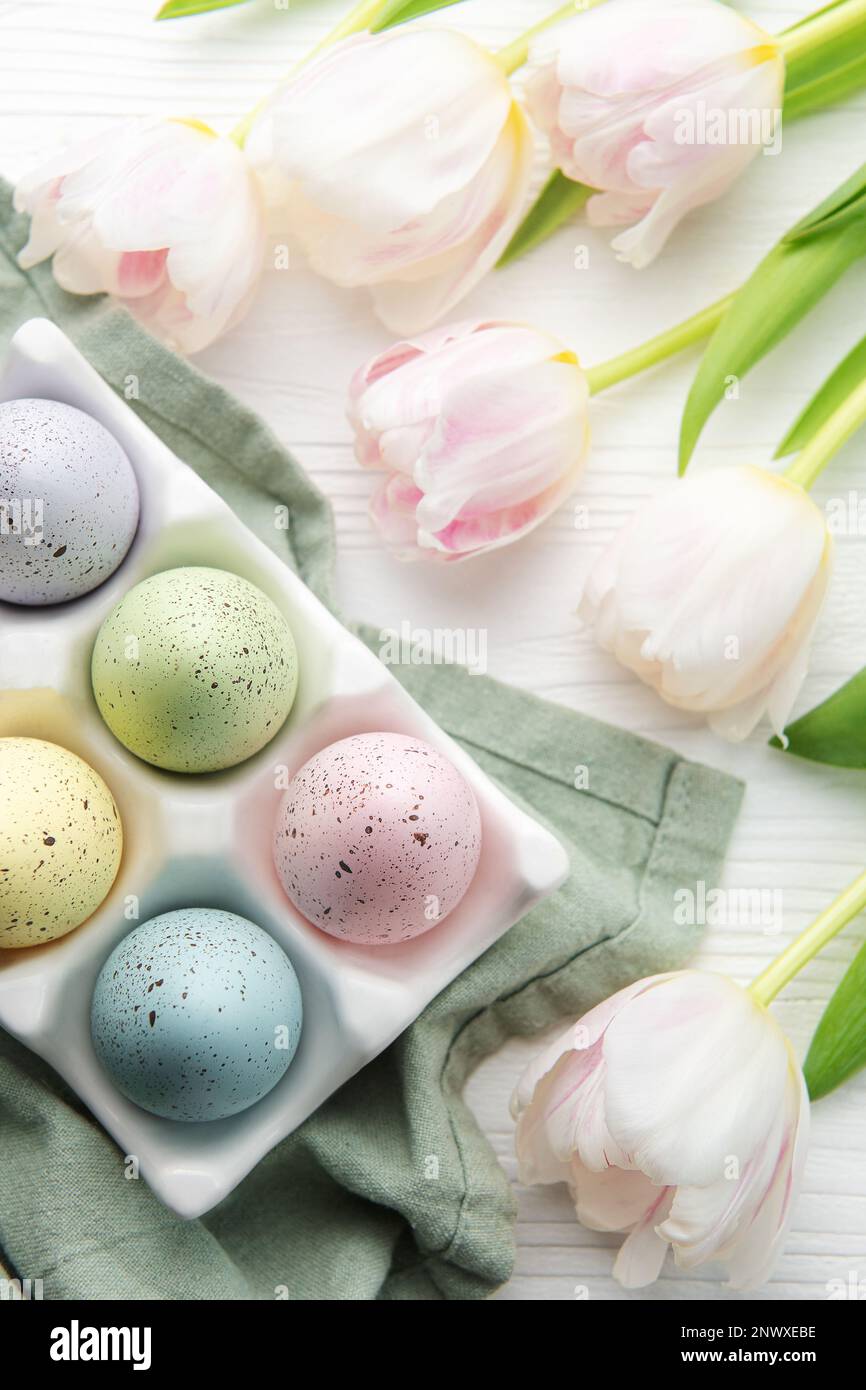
column 352, row 1206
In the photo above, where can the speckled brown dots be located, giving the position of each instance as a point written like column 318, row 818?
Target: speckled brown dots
column 194, row 670
column 71, row 502
column 196, row 1014
column 60, row 841
column 377, row 838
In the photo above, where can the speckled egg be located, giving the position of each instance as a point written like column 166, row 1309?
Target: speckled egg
column 196, row 1014
column 69, row 498
column 60, row 841
column 194, row 670
column 377, row 838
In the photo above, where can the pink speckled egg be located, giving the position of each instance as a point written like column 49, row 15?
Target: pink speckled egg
column 377, row 838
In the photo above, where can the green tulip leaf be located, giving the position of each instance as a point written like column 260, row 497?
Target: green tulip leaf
column 559, row 200
column 182, row 9
column 838, row 1048
column 822, row 61
column 835, row 731
column 845, row 204
column 397, row 12
column 834, row 392
column 816, row 93
column 401, row 11
column 789, row 281
column 815, row 14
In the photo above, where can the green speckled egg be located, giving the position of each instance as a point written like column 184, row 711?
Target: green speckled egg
column 194, row 670
column 60, row 841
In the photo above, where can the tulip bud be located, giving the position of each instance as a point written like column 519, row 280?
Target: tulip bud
column 407, row 161
column 676, row 1112
column 659, row 106
column 482, row 428
column 163, row 214
column 710, row 594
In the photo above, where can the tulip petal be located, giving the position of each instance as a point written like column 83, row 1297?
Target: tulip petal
column 488, row 423
column 687, row 177
column 46, row 229
column 392, row 509
column 170, row 183
column 500, row 442
column 617, row 209
column 472, row 535
column 625, row 94
column 420, row 191
column 560, row 1090
column 491, row 211
column 675, row 1111
column 631, row 48
column 83, row 266
column 384, row 128
column 693, row 1070
column 140, row 272
column 751, row 1261
column 642, row 1253
column 163, row 214
column 711, row 592
column 742, row 1220
column 407, row 385
column 566, row 1116
column 420, row 269
column 612, row 1199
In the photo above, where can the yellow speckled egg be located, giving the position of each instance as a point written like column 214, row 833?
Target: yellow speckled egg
column 60, row 841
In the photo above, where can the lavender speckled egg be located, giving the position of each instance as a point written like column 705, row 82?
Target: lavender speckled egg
column 72, row 502
column 196, row 1014
column 377, row 838
column 60, row 841
column 194, row 670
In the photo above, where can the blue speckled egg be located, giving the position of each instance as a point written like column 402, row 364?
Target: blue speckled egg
column 72, row 501
column 196, row 1014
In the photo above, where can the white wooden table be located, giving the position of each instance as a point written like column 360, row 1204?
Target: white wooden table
column 67, row 67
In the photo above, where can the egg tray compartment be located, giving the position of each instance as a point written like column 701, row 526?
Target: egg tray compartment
column 205, row 841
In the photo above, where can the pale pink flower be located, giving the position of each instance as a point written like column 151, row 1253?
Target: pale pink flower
column 406, row 163
column 163, row 214
column 660, row 106
column 676, row 1112
column 711, row 593
column 482, row 430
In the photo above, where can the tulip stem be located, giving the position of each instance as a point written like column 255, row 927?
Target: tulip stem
column 828, row 440
column 515, row 54
column 825, row 926
column 665, row 345
column 821, row 30
column 361, row 16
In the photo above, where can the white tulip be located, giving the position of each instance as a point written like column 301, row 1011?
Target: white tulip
column 710, row 594
column 405, row 161
column 676, row 1112
column 163, row 214
column 660, row 106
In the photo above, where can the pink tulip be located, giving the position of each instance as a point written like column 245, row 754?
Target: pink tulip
column 481, row 429
column 676, row 1112
column 163, row 214
column 406, row 163
column 660, row 106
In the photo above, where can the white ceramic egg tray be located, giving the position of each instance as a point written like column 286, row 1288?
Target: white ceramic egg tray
column 205, row 841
